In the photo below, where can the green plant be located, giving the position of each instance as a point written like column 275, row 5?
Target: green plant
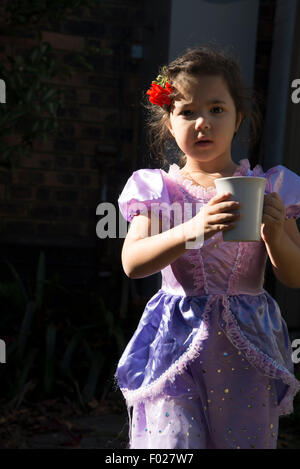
column 55, row 348
column 33, row 102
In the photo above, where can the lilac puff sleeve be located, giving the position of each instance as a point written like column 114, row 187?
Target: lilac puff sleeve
column 287, row 184
column 143, row 188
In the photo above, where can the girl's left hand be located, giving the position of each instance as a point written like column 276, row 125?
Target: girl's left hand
column 274, row 213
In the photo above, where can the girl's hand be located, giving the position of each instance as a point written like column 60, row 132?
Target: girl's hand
column 219, row 215
column 273, row 218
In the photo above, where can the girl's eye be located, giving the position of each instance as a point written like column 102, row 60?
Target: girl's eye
column 186, row 113
column 218, row 107
column 189, row 113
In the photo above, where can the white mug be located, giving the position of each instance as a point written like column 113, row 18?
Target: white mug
column 249, row 191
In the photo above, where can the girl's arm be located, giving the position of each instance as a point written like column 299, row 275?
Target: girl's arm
column 285, row 255
column 144, row 255
column 282, row 241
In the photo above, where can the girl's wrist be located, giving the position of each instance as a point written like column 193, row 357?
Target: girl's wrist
column 276, row 242
column 194, row 228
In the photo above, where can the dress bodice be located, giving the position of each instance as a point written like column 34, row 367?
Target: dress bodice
column 218, row 266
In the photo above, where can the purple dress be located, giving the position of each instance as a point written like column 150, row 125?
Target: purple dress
column 210, row 363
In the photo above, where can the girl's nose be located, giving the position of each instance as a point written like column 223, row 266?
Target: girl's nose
column 201, row 122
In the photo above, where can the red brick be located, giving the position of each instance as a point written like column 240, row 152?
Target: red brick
column 63, row 41
column 51, row 179
column 94, row 131
column 24, row 42
column 83, row 96
column 27, row 177
column 11, row 209
column 66, row 179
column 91, row 114
column 91, row 196
column 66, row 195
column 2, row 191
column 89, row 179
column 87, row 147
column 36, row 160
column 5, row 176
column 20, row 191
column 78, row 79
column 61, row 229
column 12, row 139
column 43, row 193
column 43, row 146
column 19, row 228
column 76, row 162
column 70, row 128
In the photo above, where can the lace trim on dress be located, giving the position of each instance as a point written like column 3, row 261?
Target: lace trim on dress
column 199, row 277
column 178, row 367
column 259, row 359
column 195, row 258
column 238, row 268
column 255, row 357
column 205, row 193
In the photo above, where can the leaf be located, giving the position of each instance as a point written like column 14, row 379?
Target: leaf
column 88, row 349
column 35, row 55
column 108, row 316
column 119, row 336
column 11, row 291
column 40, row 280
column 90, row 387
column 50, row 358
column 5, row 118
column 25, row 328
column 77, row 389
column 26, row 366
column 47, row 94
column 19, row 61
column 66, row 361
column 29, row 96
column 51, row 108
column 45, row 47
column 35, row 127
column 18, row 279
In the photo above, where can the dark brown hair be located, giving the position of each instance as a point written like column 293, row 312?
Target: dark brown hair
column 203, row 60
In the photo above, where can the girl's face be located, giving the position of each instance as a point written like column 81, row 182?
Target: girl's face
column 204, row 108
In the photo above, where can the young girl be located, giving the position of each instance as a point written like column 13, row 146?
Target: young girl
column 210, row 363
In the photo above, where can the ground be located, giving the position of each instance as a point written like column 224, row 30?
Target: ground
column 59, row 423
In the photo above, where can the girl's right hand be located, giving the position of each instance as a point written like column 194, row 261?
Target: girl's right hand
column 217, row 215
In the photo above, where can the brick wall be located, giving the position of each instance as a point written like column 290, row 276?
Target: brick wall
column 49, row 199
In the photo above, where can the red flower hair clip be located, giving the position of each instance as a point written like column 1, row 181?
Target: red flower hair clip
column 160, row 91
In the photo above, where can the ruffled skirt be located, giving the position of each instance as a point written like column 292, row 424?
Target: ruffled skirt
column 211, row 371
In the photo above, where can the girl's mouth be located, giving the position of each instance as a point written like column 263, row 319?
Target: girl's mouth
column 203, row 143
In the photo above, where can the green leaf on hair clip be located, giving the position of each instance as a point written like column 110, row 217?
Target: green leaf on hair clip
column 162, row 78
